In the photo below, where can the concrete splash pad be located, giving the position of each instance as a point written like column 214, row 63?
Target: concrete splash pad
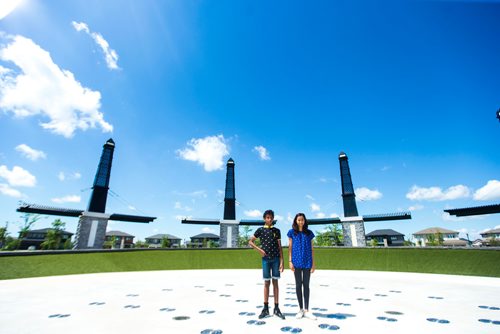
column 229, row 301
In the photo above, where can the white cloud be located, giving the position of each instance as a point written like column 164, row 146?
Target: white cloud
column 131, row 207
column 5, row 189
column 309, row 197
column 208, row 152
column 488, row 192
column 253, row 213
column 320, row 215
column 334, row 215
column 67, row 199
column 110, row 55
column 208, row 230
column 42, row 88
column 365, row 194
column 196, row 193
column 262, row 152
column 385, row 168
column 437, row 194
column 30, row 153
column 181, row 217
column 279, row 218
column 18, row 176
column 449, row 218
column 74, row 176
column 179, row 206
column 315, row 207
column 415, row 207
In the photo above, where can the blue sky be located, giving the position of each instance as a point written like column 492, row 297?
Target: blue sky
column 408, row 90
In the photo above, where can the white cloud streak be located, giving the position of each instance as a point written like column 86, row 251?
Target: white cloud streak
column 365, row 194
column 67, row 199
column 18, row 176
column 30, row 153
column 253, row 213
column 490, row 191
column 6, row 190
column 315, row 207
column 437, row 194
column 262, row 152
column 208, row 152
column 110, row 55
column 42, row 88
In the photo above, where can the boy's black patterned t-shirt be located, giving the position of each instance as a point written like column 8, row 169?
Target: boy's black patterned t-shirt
column 269, row 238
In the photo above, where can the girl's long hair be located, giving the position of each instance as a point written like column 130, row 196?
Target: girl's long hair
column 295, row 226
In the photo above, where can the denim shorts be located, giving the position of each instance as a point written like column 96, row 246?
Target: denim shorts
column 270, row 265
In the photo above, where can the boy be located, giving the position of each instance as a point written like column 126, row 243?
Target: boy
column 272, row 260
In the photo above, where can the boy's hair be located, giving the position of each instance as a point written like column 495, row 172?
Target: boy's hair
column 268, row 212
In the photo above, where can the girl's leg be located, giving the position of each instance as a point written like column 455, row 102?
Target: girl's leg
column 298, row 286
column 306, row 278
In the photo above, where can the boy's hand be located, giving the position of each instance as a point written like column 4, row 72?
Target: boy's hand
column 281, row 266
column 262, row 252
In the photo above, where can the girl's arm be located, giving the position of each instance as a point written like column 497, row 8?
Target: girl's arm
column 313, row 268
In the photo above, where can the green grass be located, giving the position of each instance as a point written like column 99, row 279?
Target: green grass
column 439, row 261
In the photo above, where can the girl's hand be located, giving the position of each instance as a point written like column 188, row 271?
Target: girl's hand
column 292, row 268
column 313, row 268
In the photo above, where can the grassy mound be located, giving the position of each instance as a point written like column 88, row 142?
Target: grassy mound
column 438, row 261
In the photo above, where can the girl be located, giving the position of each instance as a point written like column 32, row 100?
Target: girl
column 301, row 261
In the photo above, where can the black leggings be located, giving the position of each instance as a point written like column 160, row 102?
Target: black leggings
column 302, row 276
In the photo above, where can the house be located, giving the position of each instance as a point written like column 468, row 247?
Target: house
column 386, row 238
column 434, row 236
column 156, row 240
column 204, row 240
column 121, row 239
column 34, row 238
column 491, row 237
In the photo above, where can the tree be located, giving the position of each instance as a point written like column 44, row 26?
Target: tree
column 408, row 242
column 165, row 242
column 3, row 235
column 141, row 244
column 374, row 242
column 331, row 236
column 244, row 236
column 29, row 219
column 54, row 235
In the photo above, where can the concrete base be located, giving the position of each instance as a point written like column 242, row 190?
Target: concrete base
column 204, row 301
column 353, row 229
column 91, row 231
column 229, row 234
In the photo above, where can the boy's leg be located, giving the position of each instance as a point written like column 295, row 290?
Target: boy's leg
column 267, row 283
column 266, row 273
column 276, row 276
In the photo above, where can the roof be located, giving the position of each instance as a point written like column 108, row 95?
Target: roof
column 382, row 232
column 45, row 230
column 493, row 231
column 161, row 236
column 118, row 234
column 205, row 236
column 434, row 230
column 455, row 242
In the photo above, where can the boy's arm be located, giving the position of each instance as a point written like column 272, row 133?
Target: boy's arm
column 254, row 246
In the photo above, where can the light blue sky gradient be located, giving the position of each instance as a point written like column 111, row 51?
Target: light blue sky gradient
column 407, row 89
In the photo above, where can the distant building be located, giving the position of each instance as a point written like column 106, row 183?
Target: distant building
column 156, row 240
column 386, row 238
column 121, row 239
column 495, row 233
column 203, row 240
column 426, row 236
column 36, row 237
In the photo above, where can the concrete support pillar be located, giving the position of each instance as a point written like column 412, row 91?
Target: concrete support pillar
column 91, row 230
column 354, row 231
column 229, row 234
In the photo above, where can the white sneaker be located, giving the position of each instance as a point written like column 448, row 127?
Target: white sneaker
column 309, row 315
column 300, row 315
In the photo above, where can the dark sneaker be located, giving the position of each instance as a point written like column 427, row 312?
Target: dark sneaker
column 264, row 313
column 278, row 313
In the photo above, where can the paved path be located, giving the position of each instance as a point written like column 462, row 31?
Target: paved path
column 229, row 301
